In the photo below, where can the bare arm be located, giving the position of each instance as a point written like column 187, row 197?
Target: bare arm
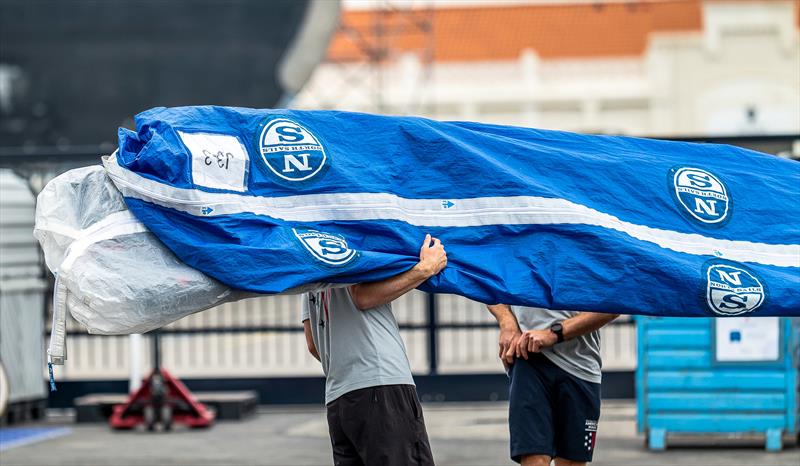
column 533, row 341
column 310, row 339
column 585, row 322
column 509, row 331
column 432, row 259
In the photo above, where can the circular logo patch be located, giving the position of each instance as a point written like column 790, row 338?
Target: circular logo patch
column 328, row 248
column 701, row 195
column 290, row 151
column 732, row 290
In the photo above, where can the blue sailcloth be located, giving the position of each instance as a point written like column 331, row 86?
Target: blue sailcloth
column 267, row 200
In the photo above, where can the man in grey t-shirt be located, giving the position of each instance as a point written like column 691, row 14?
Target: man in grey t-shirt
column 553, row 359
column 374, row 414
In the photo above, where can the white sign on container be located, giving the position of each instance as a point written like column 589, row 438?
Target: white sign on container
column 754, row 339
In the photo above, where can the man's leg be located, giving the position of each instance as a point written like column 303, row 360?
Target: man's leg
column 536, row 460
column 393, row 431
column 344, row 452
column 530, row 411
column 563, row 462
column 576, row 415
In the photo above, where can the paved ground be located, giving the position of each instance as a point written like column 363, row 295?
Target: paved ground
column 461, row 434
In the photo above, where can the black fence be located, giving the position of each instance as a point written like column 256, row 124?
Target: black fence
column 258, row 344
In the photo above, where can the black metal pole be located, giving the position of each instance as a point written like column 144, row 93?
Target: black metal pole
column 433, row 354
column 156, row 341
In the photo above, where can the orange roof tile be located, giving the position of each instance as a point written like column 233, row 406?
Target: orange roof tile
column 502, row 32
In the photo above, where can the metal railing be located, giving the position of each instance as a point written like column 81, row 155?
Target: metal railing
column 262, row 337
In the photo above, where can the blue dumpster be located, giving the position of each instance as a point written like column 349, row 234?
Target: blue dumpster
column 728, row 376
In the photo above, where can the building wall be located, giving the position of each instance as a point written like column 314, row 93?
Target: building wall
column 739, row 75
column 22, row 293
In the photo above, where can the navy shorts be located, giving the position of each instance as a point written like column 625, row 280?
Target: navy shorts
column 551, row 412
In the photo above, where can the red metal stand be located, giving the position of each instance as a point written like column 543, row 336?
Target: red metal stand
column 162, row 399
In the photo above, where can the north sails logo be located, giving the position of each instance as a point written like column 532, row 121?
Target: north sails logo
column 290, row 151
column 701, row 195
column 732, row 290
column 327, row 248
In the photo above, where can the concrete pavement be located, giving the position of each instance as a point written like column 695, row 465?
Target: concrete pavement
column 461, row 435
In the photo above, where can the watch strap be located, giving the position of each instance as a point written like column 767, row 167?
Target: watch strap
column 558, row 329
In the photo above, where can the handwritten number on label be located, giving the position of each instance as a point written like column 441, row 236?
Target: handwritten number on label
column 222, row 158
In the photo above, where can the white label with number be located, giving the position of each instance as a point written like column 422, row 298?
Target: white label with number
column 219, row 161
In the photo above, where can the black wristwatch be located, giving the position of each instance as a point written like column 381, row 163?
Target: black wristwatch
column 558, row 329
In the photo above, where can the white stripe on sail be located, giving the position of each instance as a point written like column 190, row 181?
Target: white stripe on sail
column 511, row 210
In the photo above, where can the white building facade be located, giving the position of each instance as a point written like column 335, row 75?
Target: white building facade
column 739, row 74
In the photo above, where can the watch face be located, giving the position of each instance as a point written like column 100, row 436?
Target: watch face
column 557, row 327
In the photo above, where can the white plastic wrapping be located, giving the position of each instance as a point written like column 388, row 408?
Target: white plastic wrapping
column 112, row 275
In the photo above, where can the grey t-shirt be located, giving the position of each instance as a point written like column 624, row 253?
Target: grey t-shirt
column 578, row 356
column 358, row 349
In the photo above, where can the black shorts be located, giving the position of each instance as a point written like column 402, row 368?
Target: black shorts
column 551, row 412
column 380, row 425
